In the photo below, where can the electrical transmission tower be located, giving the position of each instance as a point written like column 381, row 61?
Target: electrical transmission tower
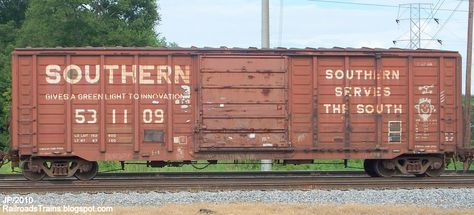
column 419, row 17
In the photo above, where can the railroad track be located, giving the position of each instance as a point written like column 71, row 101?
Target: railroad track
column 215, row 181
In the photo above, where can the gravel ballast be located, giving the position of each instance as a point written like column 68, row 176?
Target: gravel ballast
column 442, row 198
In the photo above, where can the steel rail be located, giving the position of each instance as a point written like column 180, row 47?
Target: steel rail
column 120, row 174
column 216, row 181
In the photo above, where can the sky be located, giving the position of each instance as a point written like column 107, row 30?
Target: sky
column 312, row 23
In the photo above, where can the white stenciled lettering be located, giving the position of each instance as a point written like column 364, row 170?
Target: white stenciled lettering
column 329, row 74
column 145, row 75
column 360, row 74
column 125, row 116
column 164, row 72
column 88, row 76
column 180, row 74
column 126, row 74
column 397, row 108
column 362, row 91
column 150, row 116
column 338, row 91
column 339, row 74
column 381, row 108
column 53, row 75
column 371, row 88
column 368, row 75
column 335, row 108
column 72, row 74
column 111, row 69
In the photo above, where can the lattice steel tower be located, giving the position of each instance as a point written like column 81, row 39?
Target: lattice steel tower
column 419, row 16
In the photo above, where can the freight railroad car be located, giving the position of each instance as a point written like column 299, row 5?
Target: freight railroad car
column 399, row 110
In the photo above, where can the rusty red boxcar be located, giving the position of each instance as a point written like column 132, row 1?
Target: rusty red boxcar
column 399, row 110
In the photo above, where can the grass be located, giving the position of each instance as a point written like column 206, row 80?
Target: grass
column 283, row 209
column 112, row 166
column 246, row 166
column 249, row 165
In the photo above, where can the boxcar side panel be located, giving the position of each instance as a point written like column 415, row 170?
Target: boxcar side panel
column 243, row 103
column 27, row 110
column 301, row 101
column 363, row 104
column 200, row 104
column 107, row 107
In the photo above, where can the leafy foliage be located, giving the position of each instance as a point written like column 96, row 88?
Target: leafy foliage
column 72, row 23
column 90, row 23
column 12, row 15
column 471, row 119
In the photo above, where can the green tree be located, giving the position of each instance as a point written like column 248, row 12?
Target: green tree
column 71, row 23
column 471, row 119
column 12, row 15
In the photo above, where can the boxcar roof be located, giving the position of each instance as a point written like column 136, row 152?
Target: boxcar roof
column 235, row 50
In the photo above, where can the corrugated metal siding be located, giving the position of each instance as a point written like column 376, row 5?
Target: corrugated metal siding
column 244, row 102
column 238, row 104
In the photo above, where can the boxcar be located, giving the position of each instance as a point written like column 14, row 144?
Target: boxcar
column 399, row 110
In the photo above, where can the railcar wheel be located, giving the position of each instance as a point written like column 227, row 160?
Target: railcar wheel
column 87, row 170
column 384, row 168
column 369, row 168
column 35, row 174
column 431, row 172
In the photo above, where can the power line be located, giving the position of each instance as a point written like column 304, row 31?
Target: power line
column 280, row 24
column 433, row 14
column 355, row 3
column 416, row 16
column 447, row 20
column 375, row 5
column 428, row 21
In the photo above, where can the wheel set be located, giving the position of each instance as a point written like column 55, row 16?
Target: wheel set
column 426, row 166
column 35, row 169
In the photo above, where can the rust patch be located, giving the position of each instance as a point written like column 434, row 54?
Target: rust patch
column 265, row 92
column 251, row 76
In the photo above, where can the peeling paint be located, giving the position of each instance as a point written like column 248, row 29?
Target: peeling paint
column 301, row 137
column 182, row 140
column 185, row 100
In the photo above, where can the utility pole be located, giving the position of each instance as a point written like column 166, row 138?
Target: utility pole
column 266, row 165
column 265, row 24
column 467, row 141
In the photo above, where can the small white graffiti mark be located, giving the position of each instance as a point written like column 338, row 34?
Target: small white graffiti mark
column 179, row 153
column 425, row 108
column 181, row 140
column 442, row 96
column 449, row 137
column 427, row 89
column 265, row 139
column 185, row 100
column 301, row 137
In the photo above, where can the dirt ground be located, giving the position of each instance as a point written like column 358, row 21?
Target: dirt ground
column 284, row 209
